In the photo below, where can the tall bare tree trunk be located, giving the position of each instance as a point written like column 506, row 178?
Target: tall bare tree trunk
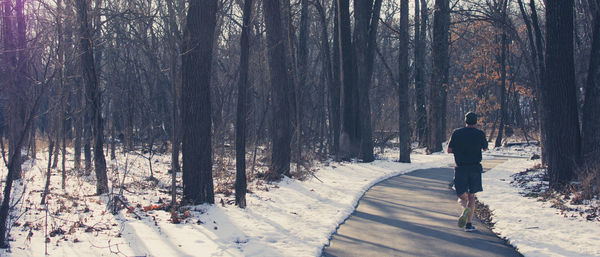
column 15, row 60
column 542, row 74
column 93, row 97
column 503, row 94
column 196, row 112
column 280, row 132
column 421, row 112
column 242, row 108
column 22, row 72
column 365, row 40
column 332, row 81
column 439, row 79
column 301, row 74
column 71, row 70
column 175, row 94
column 337, row 77
column 535, row 66
column 63, row 92
column 562, row 124
column 349, row 127
column 403, row 105
column 591, row 106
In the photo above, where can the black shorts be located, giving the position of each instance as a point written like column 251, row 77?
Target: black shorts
column 467, row 179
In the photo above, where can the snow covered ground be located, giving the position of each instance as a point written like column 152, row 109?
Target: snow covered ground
column 535, row 227
column 288, row 218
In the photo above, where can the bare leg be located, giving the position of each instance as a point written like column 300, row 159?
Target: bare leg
column 471, row 205
column 464, row 200
column 466, row 213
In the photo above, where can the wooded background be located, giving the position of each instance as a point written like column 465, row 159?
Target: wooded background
column 293, row 82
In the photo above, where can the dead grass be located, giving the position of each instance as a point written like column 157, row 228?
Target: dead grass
column 589, row 178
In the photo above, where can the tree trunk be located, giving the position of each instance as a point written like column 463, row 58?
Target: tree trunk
column 591, row 106
column 301, row 73
column 87, row 132
column 365, row 38
column 349, row 136
column 439, row 74
column 12, row 164
column 175, row 94
column 337, row 73
column 242, row 108
column 420, row 31
column 280, row 132
column 93, row 97
column 57, row 133
column 196, row 112
column 542, row 74
column 332, row 81
column 32, row 142
column 534, row 64
column 562, row 124
column 531, row 39
column 71, row 70
column 63, row 94
column 22, row 73
column 49, row 172
column 16, row 94
column 503, row 52
column 78, row 126
column 403, row 105
column 16, row 65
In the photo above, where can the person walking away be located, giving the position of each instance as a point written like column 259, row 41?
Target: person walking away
column 466, row 144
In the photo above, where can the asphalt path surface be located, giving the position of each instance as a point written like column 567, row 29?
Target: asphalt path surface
column 414, row 215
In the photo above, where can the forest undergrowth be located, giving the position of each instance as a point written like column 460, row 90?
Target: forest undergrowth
column 140, row 188
column 580, row 199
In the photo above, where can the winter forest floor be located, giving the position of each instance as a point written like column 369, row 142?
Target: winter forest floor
column 288, row 218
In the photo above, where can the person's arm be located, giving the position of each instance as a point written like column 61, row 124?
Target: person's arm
column 451, row 144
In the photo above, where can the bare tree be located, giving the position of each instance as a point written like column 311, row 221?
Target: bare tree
column 502, row 63
column 349, row 126
column 365, row 40
column 403, row 105
column 15, row 61
column 196, row 112
column 439, row 76
column 562, row 124
column 419, row 42
column 240, row 129
column 591, row 107
column 280, row 134
column 175, row 96
column 93, row 97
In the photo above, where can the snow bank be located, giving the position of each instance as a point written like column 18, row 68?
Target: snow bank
column 534, row 227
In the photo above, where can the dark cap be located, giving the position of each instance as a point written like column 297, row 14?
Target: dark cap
column 471, row 118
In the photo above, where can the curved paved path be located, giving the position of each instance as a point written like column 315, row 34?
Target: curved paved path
column 414, row 215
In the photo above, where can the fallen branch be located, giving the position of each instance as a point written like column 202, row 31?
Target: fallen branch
column 126, row 205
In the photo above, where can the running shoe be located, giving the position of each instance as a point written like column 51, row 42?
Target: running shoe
column 462, row 220
column 469, row 227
